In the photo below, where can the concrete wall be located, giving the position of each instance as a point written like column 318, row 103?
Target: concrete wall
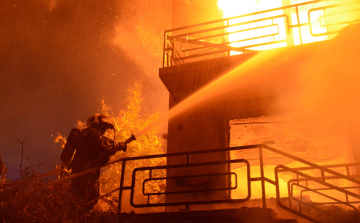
column 261, row 84
column 205, row 125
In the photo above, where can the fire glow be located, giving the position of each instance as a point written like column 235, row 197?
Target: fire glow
column 268, row 30
column 233, row 8
column 279, row 28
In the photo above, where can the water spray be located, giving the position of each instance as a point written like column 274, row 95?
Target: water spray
column 162, row 118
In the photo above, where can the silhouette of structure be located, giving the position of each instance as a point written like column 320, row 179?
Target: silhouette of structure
column 285, row 98
column 264, row 120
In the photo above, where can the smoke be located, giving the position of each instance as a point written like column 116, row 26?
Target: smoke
column 60, row 58
column 330, row 76
column 139, row 30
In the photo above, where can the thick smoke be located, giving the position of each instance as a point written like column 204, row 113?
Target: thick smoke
column 329, row 77
column 60, row 58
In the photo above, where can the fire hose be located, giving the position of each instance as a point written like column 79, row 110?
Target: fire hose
column 129, row 140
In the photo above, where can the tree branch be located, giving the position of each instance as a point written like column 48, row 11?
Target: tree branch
column 22, row 157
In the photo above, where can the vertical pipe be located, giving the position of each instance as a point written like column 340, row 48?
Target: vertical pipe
column 327, row 27
column 289, row 195
column 298, row 21
column 278, row 187
column 288, row 23
column 300, row 196
column 228, row 40
column 121, row 184
column 172, row 58
column 168, row 59
column 164, row 47
column 272, row 23
column 262, row 177
column 150, row 173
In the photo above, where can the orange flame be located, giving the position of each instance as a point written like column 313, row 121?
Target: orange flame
column 271, row 29
column 233, row 8
column 241, row 34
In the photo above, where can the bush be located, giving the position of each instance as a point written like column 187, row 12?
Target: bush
column 33, row 200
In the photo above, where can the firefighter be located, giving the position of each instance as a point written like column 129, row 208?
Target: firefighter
column 89, row 148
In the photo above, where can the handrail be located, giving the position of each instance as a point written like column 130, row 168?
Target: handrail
column 320, row 180
column 313, row 165
column 317, row 180
column 318, row 209
column 323, row 177
column 176, row 38
column 191, row 163
column 324, row 189
column 347, row 165
column 338, row 23
column 192, row 153
column 187, row 165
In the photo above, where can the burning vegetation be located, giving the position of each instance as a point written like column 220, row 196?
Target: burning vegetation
column 289, row 115
column 33, row 199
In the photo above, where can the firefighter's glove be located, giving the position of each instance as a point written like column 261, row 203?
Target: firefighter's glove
column 121, row 146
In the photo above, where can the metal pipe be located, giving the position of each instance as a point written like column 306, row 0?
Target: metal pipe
column 121, row 184
column 262, row 177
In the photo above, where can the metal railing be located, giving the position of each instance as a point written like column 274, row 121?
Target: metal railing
column 190, row 162
column 310, row 205
column 211, row 39
column 326, row 186
column 187, row 192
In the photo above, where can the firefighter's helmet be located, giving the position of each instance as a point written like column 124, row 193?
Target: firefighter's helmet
column 96, row 119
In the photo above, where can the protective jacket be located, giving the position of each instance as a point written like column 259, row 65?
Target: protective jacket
column 93, row 149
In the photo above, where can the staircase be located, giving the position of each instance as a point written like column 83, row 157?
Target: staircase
column 331, row 196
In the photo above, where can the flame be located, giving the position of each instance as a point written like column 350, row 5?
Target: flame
column 233, row 8
column 242, row 34
column 307, row 140
column 271, row 30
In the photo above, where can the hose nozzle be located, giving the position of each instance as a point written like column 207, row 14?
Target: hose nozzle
column 129, row 140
